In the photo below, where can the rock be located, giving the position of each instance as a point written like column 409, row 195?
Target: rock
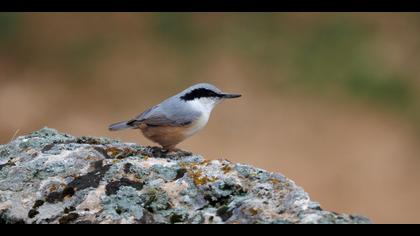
column 50, row 177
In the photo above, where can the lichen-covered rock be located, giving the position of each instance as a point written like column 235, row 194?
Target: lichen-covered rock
column 50, row 177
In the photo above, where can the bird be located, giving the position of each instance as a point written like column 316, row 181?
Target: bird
column 178, row 117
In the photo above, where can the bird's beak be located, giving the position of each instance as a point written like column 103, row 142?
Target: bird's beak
column 227, row 95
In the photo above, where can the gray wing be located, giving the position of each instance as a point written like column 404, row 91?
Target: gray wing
column 165, row 116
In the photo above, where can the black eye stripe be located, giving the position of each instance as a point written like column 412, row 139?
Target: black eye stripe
column 200, row 93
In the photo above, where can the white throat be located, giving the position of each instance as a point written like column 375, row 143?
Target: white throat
column 204, row 105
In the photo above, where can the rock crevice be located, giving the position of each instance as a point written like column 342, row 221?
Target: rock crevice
column 51, row 177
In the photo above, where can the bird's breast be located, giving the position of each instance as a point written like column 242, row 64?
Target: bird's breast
column 197, row 124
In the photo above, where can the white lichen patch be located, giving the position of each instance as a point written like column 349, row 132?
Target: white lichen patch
column 5, row 205
column 149, row 162
column 93, row 201
column 174, row 190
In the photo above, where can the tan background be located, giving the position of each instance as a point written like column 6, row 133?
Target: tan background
column 330, row 100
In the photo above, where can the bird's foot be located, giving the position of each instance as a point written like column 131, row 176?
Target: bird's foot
column 169, row 152
column 179, row 152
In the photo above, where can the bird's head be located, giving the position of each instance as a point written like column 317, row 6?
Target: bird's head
column 205, row 95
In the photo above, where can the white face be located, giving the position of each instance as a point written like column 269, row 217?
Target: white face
column 204, row 104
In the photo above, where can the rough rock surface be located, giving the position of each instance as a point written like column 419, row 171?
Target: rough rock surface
column 50, row 177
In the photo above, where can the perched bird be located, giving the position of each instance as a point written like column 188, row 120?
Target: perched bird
column 178, row 117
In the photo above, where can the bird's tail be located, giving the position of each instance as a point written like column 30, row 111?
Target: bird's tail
column 119, row 126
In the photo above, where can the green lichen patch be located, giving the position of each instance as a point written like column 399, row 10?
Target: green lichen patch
column 155, row 199
column 124, row 204
column 167, row 173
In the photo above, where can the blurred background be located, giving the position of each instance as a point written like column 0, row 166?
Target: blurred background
column 330, row 100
